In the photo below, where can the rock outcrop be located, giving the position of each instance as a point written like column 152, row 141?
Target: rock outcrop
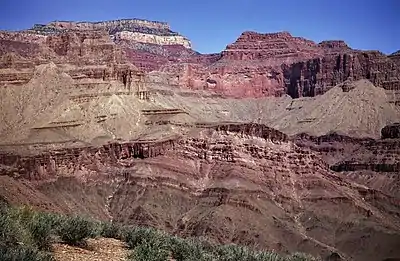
column 374, row 163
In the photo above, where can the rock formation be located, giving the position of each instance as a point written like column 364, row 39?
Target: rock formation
column 278, row 63
column 82, row 54
column 316, row 76
column 275, row 48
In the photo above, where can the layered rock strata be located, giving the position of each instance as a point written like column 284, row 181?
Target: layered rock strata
column 256, row 65
column 278, row 63
column 82, row 54
column 370, row 162
column 241, row 183
column 136, row 30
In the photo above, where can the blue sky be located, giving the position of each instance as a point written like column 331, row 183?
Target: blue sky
column 211, row 25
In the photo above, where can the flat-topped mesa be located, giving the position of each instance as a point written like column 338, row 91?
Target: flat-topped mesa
column 135, row 30
column 109, row 25
column 280, row 46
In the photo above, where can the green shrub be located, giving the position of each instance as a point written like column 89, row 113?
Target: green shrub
column 20, row 253
column 153, row 250
column 111, row 230
column 40, row 230
column 269, row 256
column 189, row 250
column 75, row 230
column 9, row 231
column 138, row 235
column 54, row 220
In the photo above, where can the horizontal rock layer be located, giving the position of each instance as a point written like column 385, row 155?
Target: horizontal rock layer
column 130, row 29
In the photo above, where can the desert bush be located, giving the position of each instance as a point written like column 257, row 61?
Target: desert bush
column 189, row 250
column 9, row 231
column 137, row 235
column 54, row 220
column 75, row 230
column 111, row 230
column 151, row 250
column 40, row 231
column 19, row 253
column 33, row 228
column 233, row 253
column 269, row 256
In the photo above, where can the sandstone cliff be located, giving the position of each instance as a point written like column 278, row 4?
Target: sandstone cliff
column 277, row 63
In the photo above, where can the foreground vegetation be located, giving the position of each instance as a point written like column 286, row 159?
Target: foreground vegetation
column 26, row 235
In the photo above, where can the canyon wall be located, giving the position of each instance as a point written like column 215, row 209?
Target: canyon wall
column 316, row 76
column 232, row 183
column 274, row 64
column 255, row 65
column 82, row 54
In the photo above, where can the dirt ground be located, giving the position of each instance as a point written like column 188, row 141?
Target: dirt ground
column 100, row 249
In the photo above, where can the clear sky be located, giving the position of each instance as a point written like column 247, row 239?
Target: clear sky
column 212, row 24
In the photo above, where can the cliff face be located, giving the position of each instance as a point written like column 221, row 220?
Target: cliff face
column 255, row 65
column 274, row 48
column 135, row 30
column 316, row 76
column 370, row 162
column 82, row 54
column 275, row 64
column 395, row 57
column 137, row 40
